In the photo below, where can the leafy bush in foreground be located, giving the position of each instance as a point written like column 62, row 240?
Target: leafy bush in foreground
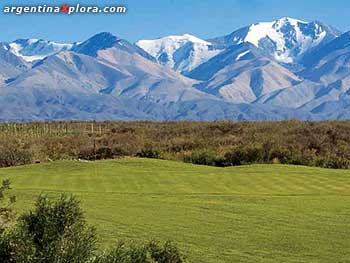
column 152, row 252
column 56, row 232
column 5, row 204
column 53, row 232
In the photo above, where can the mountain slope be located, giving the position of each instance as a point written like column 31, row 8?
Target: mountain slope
column 115, row 74
column 240, row 74
column 147, row 79
column 46, row 104
column 330, row 63
column 327, row 80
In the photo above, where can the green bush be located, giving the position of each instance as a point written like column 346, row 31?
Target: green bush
column 149, row 152
column 16, row 247
column 119, row 152
column 246, row 155
column 57, row 232
column 333, row 162
column 87, row 153
column 165, row 253
column 13, row 152
column 53, row 232
column 104, row 153
column 235, row 157
column 96, row 154
column 5, row 204
column 201, row 157
column 286, row 156
column 152, row 252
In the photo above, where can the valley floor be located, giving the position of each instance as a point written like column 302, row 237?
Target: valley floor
column 258, row 213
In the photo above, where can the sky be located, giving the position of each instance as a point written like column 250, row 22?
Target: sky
column 148, row 19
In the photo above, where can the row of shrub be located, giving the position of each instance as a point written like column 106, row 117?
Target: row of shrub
column 324, row 144
column 264, row 154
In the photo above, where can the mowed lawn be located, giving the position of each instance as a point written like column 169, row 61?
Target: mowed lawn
column 258, row 213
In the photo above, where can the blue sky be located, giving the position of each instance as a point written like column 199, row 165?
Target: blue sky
column 156, row 18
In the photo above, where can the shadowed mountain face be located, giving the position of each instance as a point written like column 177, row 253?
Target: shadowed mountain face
column 106, row 40
column 275, row 70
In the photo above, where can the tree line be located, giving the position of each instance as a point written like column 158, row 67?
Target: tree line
column 224, row 143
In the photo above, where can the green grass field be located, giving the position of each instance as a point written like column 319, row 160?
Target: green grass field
column 258, row 213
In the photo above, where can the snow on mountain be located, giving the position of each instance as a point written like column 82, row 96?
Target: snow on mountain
column 116, row 69
column 10, row 65
column 339, row 44
column 241, row 55
column 285, row 39
column 35, row 49
column 182, row 53
column 327, row 79
column 247, row 75
column 331, row 62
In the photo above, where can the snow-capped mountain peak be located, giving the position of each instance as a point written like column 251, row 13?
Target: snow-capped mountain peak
column 180, row 52
column 170, row 42
column 273, row 30
column 36, row 49
column 183, row 38
column 286, row 39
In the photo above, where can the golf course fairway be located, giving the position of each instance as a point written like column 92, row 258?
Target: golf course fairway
column 256, row 213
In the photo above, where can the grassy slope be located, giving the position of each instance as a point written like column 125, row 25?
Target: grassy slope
column 260, row 213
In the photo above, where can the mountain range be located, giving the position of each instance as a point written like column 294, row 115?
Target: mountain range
column 284, row 69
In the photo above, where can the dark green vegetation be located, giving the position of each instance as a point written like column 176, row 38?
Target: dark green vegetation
column 258, row 213
column 5, row 204
column 57, row 232
column 323, row 144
